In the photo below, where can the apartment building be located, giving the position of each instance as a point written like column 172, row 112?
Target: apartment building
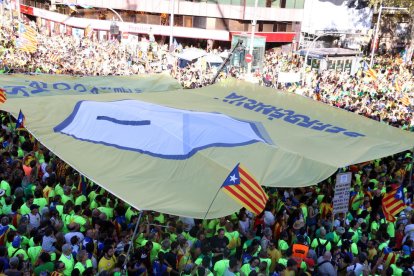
column 218, row 20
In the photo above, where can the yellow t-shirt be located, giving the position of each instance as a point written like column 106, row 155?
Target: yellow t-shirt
column 105, row 264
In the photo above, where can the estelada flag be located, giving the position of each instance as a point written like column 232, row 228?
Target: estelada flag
column 20, row 121
column 397, row 86
column 372, row 74
column 82, row 185
column 393, row 203
column 405, row 100
column 27, row 40
column 3, row 97
column 242, row 187
column 88, row 31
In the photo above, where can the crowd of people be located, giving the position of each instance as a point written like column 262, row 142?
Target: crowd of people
column 49, row 225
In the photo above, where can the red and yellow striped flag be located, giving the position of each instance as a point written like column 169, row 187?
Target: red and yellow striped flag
column 242, row 187
column 27, row 40
column 54, row 57
column 3, row 96
column 393, row 203
column 397, row 86
column 405, row 100
column 372, row 74
column 88, row 31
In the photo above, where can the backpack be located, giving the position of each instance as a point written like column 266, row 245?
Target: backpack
column 321, row 248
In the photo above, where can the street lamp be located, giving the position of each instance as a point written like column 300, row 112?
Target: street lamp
column 254, row 21
column 172, row 6
column 377, row 30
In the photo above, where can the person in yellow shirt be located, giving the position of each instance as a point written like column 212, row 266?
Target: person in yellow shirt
column 108, row 261
column 274, row 254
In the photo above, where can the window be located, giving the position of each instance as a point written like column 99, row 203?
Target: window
column 199, row 22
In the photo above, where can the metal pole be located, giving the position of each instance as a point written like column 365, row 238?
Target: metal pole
column 117, row 14
column 225, row 61
column 2, row 12
column 307, row 55
column 249, row 65
column 172, row 5
column 411, row 170
column 371, row 63
column 11, row 12
column 124, row 266
column 18, row 9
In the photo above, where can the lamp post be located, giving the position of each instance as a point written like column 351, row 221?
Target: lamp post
column 172, row 4
column 311, row 45
column 293, row 48
column 117, row 14
column 307, row 55
column 371, row 63
column 249, row 65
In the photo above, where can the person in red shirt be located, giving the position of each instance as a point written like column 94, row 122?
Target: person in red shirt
column 399, row 236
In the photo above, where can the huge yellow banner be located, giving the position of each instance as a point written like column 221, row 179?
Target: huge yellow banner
column 171, row 151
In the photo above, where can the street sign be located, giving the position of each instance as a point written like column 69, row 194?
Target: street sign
column 248, row 58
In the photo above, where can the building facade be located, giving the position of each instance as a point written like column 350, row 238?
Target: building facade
column 278, row 20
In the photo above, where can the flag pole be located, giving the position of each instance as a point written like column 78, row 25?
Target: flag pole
column 211, row 204
column 124, row 266
column 410, row 180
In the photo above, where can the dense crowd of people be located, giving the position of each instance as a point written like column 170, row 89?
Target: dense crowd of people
column 49, row 225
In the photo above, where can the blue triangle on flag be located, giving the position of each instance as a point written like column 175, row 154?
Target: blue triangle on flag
column 233, row 178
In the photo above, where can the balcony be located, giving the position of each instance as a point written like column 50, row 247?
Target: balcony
column 205, row 9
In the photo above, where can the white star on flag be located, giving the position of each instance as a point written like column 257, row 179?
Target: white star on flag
column 233, row 178
column 398, row 195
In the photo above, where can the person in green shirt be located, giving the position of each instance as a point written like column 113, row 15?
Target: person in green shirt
column 34, row 251
column 253, row 265
column 6, row 209
column 78, row 218
column 128, row 214
column 221, row 266
column 15, row 250
column 396, row 269
column 83, row 261
column 264, row 258
column 321, row 241
column 67, row 259
column 4, row 185
column 67, row 195
column 282, row 243
column 79, row 198
column 25, row 208
column 59, row 189
column 107, row 210
column 39, row 199
column 233, row 236
column 44, row 264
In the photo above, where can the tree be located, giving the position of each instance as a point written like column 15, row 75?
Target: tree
column 409, row 4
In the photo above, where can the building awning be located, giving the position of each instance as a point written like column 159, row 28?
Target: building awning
column 329, row 52
column 271, row 36
column 26, row 9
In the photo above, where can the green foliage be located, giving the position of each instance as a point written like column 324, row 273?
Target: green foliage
column 409, row 4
